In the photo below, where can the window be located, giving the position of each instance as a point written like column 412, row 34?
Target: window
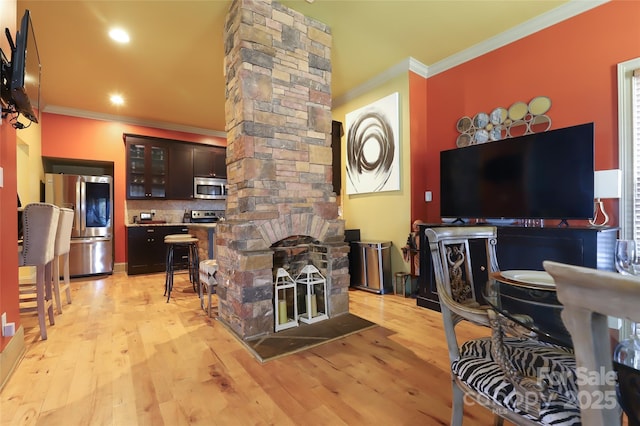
column 629, row 147
column 629, row 159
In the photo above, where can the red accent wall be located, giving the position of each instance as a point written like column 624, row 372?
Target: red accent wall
column 8, row 200
column 574, row 63
column 86, row 139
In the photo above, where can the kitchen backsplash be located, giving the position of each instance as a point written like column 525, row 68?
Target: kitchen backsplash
column 171, row 211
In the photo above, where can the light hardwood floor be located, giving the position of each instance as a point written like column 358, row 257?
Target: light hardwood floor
column 120, row 355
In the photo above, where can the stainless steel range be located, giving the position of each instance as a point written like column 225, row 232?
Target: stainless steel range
column 206, row 216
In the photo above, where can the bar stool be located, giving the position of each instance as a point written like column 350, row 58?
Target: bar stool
column 208, row 283
column 61, row 252
column 40, row 223
column 181, row 240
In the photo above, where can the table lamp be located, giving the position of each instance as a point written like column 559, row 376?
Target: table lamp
column 607, row 184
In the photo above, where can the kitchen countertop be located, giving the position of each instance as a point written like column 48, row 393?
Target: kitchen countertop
column 187, row 224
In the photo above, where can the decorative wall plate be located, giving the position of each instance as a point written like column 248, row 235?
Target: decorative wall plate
column 480, row 120
column 463, row 140
column 498, row 116
column 520, row 119
column 539, row 123
column 518, row 110
column 481, row 136
column 539, row 105
column 464, row 124
column 497, row 133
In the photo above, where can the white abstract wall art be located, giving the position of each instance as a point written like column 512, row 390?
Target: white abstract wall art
column 373, row 147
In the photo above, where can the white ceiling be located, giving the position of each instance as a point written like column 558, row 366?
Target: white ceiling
column 171, row 73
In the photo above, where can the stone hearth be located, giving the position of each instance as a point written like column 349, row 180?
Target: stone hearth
column 278, row 108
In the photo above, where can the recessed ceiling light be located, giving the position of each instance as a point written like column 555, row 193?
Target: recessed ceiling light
column 119, row 35
column 117, row 100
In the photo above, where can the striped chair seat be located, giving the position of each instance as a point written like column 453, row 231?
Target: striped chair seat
column 555, row 364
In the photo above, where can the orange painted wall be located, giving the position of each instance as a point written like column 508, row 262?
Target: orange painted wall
column 418, row 143
column 573, row 63
column 8, row 201
column 86, row 139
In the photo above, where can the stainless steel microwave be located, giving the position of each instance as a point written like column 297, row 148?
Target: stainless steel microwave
column 209, row 188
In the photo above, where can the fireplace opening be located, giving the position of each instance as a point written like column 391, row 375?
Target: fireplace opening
column 304, row 262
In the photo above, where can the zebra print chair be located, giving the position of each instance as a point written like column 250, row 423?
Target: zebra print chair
column 523, row 380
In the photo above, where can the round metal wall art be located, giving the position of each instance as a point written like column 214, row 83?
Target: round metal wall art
column 519, row 119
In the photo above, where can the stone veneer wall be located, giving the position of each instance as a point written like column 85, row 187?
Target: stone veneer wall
column 278, row 114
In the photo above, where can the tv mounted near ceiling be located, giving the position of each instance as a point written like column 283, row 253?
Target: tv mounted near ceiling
column 548, row 175
column 20, row 82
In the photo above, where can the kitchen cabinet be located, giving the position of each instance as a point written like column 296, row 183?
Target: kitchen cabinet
column 526, row 248
column 147, row 168
column 180, row 172
column 210, row 162
column 160, row 168
column 146, row 251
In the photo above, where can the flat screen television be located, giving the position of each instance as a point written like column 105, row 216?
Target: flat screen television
column 548, row 175
column 26, row 71
column 20, row 82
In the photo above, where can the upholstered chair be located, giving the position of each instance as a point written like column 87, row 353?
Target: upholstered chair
column 61, row 253
column 499, row 372
column 588, row 296
column 40, row 223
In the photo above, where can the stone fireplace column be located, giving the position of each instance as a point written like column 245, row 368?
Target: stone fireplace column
column 278, row 122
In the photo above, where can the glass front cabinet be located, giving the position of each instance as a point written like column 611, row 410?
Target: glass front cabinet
column 146, row 168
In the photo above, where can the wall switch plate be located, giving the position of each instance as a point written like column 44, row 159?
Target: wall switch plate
column 1, row 177
column 428, row 196
column 9, row 329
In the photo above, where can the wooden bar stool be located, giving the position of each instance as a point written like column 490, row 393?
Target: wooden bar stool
column 40, row 223
column 208, row 283
column 61, row 253
column 184, row 240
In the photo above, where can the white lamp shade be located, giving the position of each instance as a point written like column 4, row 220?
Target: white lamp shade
column 607, row 184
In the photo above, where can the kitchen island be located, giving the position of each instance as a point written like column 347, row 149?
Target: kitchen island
column 146, row 251
column 205, row 233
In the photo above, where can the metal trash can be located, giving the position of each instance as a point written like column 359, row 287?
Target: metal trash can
column 372, row 268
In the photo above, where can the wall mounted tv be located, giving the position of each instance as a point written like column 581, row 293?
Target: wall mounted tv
column 548, row 175
column 21, row 75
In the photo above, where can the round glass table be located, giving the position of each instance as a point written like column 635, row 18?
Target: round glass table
column 528, row 298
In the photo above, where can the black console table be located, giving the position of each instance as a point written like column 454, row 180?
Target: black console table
column 525, row 248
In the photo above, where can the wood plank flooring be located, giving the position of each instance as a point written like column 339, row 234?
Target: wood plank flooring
column 120, row 355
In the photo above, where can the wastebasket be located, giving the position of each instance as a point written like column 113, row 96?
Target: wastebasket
column 372, row 268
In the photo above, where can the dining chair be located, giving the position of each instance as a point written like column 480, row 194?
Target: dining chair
column 507, row 374
column 61, row 253
column 589, row 296
column 40, row 222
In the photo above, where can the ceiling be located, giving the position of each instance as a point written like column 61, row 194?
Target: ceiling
column 171, row 72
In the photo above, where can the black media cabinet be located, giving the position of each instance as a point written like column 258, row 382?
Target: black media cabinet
column 526, row 248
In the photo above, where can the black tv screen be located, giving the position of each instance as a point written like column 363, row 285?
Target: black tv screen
column 548, row 175
column 25, row 71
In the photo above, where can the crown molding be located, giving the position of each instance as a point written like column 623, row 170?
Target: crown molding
column 54, row 109
column 552, row 17
column 548, row 19
column 559, row 14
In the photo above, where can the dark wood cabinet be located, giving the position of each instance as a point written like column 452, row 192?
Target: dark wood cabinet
column 146, row 251
column 210, row 162
column 527, row 248
column 160, row 168
column 147, row 168
column 180, row 172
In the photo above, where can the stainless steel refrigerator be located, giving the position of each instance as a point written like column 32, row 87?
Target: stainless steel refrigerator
column 91, row 199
